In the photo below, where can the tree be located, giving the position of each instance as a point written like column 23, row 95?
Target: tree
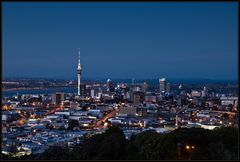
column 150, row 145
column 226, row 139
column 54, row 153
column 217, row 151
column 109, row 145
column 72, row 124
column 225, row 116
column 218, row 144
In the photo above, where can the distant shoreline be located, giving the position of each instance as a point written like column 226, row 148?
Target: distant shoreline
column 129, row 80
column 37, row 90
column 19, row 89
column 29, row 89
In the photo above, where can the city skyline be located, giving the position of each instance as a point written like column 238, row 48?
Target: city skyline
column 120, row 40
column 120, row 81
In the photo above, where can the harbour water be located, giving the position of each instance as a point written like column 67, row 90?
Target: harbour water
column 43, row 91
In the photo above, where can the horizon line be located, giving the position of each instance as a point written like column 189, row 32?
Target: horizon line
column 102, row 78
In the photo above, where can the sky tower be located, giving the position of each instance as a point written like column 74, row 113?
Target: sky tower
column 79, row 71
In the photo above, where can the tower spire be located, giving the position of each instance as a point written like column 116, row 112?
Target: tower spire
column 79, row 70
column 79, row 64
column 79, row 56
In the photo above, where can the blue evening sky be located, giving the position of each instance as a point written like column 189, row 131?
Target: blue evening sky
column 121, row 39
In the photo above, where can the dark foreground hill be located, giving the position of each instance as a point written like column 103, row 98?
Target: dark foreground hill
column 181, row 144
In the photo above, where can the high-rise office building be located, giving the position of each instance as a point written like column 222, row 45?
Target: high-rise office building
column 204, row 91
column 92, row 93
column 137, row 97
column 79, row 71
column 180, row 86
column 144, row 87
column 110, row 86
column 83, row 90
column 137, row 89
column 168, row 87
column 57, row 98
column 162, row 84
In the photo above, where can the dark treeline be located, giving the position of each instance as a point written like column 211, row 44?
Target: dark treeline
column 181, row 144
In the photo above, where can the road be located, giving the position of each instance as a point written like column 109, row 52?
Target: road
column 53, row 111
column 100, row 122
column 229, row 113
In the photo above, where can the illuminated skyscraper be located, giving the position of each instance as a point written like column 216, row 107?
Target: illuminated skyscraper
column 79, row 71
column 57, row 98
column 204, row 91
column 162, row 83
column 144, row 87
column 110, row 86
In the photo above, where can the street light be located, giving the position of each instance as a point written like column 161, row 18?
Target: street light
column 189, row 149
